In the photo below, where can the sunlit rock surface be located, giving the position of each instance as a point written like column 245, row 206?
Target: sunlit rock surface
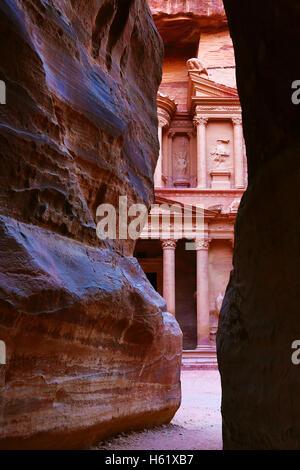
column 90, row 348
column 179, row 22
column 260, row 317
column 202, row 8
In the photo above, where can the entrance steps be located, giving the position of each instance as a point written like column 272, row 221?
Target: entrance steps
column 204, row 357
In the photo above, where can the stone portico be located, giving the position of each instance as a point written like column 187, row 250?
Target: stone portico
column 189, row 264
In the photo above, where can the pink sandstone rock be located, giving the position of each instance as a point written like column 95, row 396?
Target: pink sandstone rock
column 179, row 22
column 91, row 349
column 204, row 8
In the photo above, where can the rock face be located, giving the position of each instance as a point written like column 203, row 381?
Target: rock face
column 90, row 349
column 179, row 23
column 203, row 8
column 260, row 314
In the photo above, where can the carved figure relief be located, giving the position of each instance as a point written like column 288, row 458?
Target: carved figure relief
column 181, row 163
column 195, row 65
column 181, row 156
column 221, row 152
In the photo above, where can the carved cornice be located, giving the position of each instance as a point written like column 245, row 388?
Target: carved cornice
column 169, row 244
column 218, row 109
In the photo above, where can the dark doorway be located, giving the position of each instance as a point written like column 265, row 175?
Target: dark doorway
column 186, row 311
column 152, row 277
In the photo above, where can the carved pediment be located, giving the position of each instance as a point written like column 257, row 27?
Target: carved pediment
column 204, row 86
column 202, row 89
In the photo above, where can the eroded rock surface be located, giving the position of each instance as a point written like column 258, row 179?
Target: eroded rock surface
column 179, row 23
column 203, row 8
column 260, row 314
column 90, row 348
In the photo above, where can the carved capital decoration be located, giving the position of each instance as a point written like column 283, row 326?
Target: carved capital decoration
column 166, row 108
column 202, row 244
column 163, row 118
column 237, row 121
column 169, row 244
column 199, row 120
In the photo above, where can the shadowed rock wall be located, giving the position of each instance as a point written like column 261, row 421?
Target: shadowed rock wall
column 260, row 317
column 90, row 348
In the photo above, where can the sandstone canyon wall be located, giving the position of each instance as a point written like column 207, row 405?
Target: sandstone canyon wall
column 260, row 316
column 90, row 347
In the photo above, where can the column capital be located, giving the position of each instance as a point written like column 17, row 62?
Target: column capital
column 169, row 244
column 200, row 120
column 202, row 243
column 237, row 120
column 171, row 134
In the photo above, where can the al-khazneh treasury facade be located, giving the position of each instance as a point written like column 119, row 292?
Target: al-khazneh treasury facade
column 202, row 162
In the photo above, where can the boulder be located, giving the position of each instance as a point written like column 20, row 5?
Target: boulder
column 90, row 348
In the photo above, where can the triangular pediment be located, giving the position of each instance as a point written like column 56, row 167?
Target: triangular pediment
column 169, row 219
column 201, row 86
column 163, row 201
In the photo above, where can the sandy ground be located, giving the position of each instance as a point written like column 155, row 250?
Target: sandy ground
column 196, row 425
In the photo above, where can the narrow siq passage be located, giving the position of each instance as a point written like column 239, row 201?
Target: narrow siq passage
column 88, row 347
column 196, row 426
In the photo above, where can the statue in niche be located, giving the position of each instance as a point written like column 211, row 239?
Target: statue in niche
column 181, row 163
column 220, row 153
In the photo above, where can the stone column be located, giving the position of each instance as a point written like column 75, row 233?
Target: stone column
column 200, row 123
column 169, row 247
column 162, row 122
column 203, row 326
column 238, row 152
